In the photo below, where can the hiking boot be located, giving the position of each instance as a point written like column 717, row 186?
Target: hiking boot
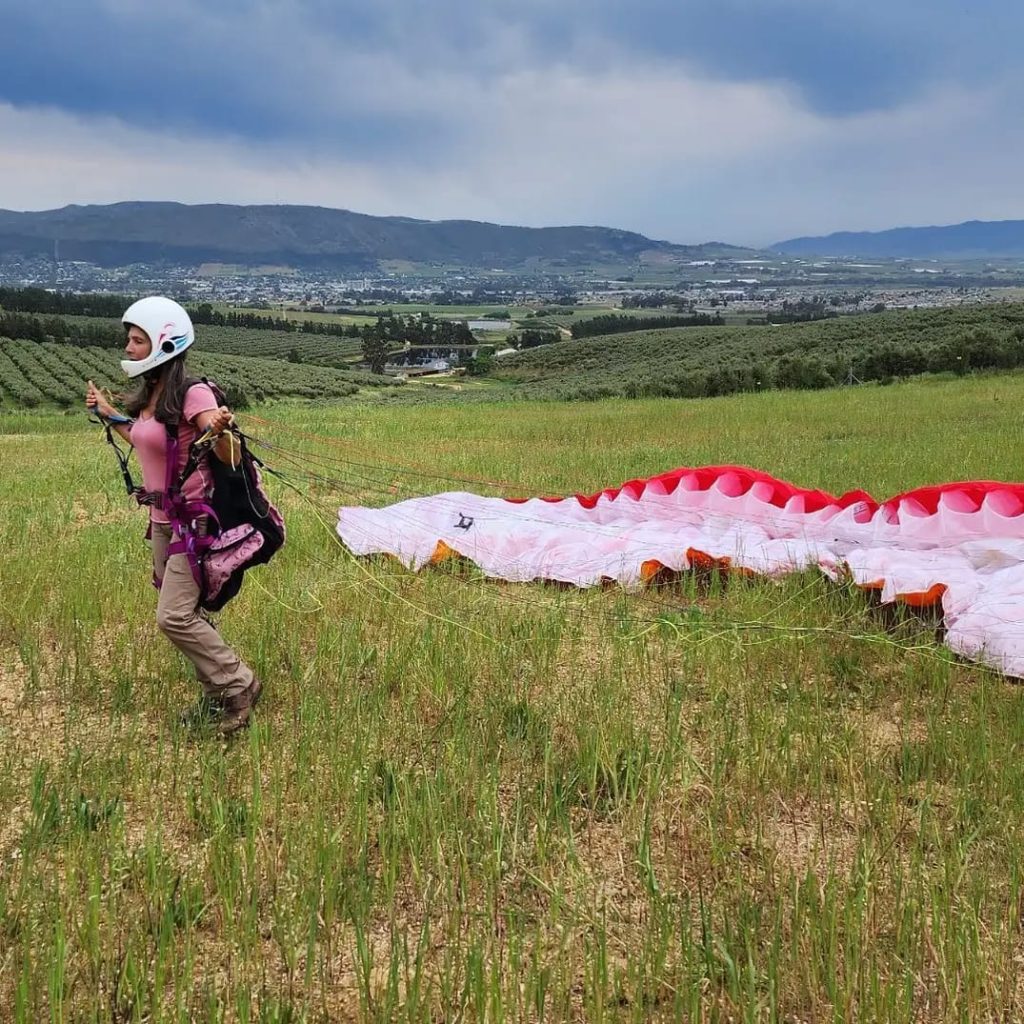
column 255, row 691
column 237, row 710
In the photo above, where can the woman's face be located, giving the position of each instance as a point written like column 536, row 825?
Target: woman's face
column 138, row 345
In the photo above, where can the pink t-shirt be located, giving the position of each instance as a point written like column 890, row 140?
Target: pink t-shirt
column 149, row 439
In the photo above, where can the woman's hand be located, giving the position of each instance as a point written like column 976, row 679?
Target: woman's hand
column 95, row 401
column 220, row 420
column 216, row 423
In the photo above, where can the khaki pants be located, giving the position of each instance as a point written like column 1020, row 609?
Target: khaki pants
column 220, row 671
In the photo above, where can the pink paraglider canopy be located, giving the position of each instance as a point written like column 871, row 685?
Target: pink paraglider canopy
column 958, row 545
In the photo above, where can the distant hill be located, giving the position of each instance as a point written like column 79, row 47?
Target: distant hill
column 310, row 236
column 974, row 239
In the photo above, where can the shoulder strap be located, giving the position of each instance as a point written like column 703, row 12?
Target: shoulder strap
column 218, row 391
column 191, row 382
column 174, row 480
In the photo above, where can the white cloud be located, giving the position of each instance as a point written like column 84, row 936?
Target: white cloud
column 526, row 148
column 952, row 156
column 652, row 149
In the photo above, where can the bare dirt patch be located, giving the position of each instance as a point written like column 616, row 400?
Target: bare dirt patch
column 883, row 731
column 805, row 838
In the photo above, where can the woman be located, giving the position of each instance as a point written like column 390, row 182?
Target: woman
column 158, row 333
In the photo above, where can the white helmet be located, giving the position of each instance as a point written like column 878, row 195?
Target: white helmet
column 168, row 326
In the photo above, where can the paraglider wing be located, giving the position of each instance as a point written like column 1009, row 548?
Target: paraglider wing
column 958, row 545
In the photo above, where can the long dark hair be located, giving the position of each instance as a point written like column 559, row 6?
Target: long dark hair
column 171, row 404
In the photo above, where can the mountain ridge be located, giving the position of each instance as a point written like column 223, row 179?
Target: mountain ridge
column 972, row 239
column 134, row 232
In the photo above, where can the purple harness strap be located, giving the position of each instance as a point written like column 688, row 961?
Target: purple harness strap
column 183, row 515
column 217, row 558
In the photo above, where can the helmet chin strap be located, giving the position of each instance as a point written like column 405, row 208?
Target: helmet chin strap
column 154, row 373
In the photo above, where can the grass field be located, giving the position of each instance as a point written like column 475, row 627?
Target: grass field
column 467, row 800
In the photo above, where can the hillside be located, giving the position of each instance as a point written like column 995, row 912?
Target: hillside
column 681, row 362
column 310, row 236
column 701, row 361
column 44, row 373
column 974, row 239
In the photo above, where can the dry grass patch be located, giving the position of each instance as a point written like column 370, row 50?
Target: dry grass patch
column 805, row 837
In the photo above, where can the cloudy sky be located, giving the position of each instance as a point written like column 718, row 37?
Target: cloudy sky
column 745, row 121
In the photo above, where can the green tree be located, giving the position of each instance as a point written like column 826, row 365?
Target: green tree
column 376, row 346
column 482, row 363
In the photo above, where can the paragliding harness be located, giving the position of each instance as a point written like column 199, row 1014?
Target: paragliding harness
column 242, row 527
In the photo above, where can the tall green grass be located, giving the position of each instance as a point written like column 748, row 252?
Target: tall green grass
column 464, row 799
